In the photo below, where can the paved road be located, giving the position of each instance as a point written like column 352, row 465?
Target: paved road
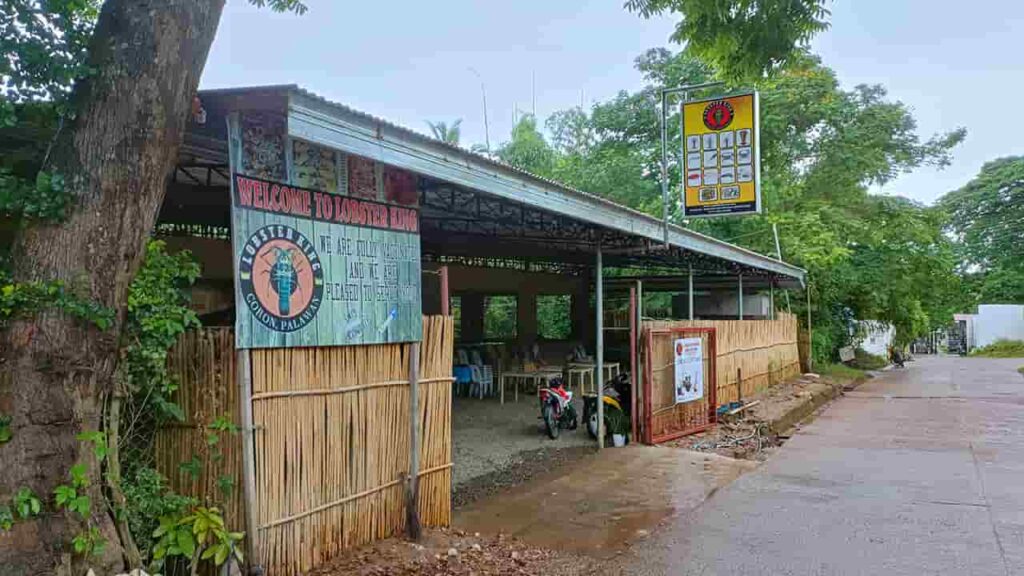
column 920, row 471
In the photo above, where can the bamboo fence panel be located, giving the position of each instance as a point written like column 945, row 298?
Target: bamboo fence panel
column 752, row 355
column 203, row 363
column 332, row 445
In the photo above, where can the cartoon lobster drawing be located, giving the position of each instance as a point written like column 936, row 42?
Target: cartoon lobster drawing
column 283, row 277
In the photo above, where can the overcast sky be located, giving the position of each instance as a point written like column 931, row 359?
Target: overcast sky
column 410, row 62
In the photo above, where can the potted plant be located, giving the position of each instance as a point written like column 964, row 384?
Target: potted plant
column 618, row 426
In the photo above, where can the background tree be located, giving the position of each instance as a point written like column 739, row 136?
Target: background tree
column 110, row 87
column 823, row 148
column 447, row 133
column 743, row 39
column 527, row 149
column 986, row 217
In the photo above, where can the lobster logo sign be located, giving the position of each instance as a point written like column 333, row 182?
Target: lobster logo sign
column 282, row 278
column 718, row 115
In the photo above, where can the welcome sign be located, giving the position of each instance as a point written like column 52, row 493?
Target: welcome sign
column 319, row 267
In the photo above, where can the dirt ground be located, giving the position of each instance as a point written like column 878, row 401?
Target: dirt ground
column 603, row 502
column 489, row 437
column 525, row 504
column 456, row 553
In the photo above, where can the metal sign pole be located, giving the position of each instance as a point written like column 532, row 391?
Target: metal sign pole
column 664, row 141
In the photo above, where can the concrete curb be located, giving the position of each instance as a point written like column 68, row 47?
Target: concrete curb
column 819, row 394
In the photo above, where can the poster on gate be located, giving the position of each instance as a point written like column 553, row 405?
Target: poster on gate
column 689, row 363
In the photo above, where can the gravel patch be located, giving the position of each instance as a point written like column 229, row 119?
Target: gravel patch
column 488, row 437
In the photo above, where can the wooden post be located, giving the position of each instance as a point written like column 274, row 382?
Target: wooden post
column 739, row 385
column 638, row 379
column 599, row 353
column 771, row 299
column 740, row 293
column 412, row 517
column 632, row 358
column 243, row 373
column 689, row 292
column 810, row 334
column 445, row 297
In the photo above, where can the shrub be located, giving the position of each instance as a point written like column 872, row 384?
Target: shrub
column 865, row 361
column 1001, row 349
column 148, row 499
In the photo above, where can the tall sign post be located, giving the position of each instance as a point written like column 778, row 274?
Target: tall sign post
column 721, row 156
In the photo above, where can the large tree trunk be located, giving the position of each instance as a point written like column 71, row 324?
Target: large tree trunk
column 115, row 154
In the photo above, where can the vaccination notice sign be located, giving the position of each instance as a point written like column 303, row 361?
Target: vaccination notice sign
column 721, row 156
column 689, row 370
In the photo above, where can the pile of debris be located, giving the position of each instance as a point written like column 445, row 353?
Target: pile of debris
column 446, row 552
column 748, row 438
column 750, row 429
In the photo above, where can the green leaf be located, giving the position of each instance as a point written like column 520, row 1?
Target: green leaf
column 82, row 505
column 26, row 503
column 5, row 429
column 6, row 517
column 64, row 495
column 79, row 477
column 186, row 543
column 80, row 543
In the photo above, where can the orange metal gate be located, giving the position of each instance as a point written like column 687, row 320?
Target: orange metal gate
column 663, row 418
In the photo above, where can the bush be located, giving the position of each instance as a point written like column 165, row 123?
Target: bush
column 865, row 361
column 148, row 499
column 842, row 372
column 1001, row 349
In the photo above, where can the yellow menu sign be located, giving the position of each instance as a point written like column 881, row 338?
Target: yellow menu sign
column 721, row 156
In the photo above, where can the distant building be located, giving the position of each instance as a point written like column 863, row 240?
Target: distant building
column 992, row 322
column 877, row 337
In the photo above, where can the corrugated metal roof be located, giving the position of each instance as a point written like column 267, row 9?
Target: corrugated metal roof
column 459, row 151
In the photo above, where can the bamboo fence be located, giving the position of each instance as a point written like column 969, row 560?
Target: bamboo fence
column 203, row 362
column 332, row 445
column 752, row 355
column 331, row 440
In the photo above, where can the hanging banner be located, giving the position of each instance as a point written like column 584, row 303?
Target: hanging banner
column 721, row 156
column 689, row 364
column 321, row 259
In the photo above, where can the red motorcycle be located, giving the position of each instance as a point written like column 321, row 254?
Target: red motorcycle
column 556, row 408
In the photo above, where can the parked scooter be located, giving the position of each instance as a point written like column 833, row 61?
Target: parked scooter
column 617, row 397
column 556, row 408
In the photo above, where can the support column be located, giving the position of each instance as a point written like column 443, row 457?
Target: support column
column 740, row 301
column 771, row 299
column 599, row 353
column 810, row 333
column 689, row 293
column 526, row 315
column 445, row 296
column 472, row 317
column 243, row 371
column 412, row 517
column 638, row 361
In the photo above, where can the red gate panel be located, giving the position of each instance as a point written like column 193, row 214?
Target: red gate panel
column 663, row 418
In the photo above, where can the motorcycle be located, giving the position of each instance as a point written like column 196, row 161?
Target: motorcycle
column 556, row 408
column 618, row 401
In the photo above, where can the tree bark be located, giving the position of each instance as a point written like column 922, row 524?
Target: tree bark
column 115, row 155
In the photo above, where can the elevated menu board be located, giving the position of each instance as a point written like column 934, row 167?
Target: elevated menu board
column 721, row 156
column 326, row 245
